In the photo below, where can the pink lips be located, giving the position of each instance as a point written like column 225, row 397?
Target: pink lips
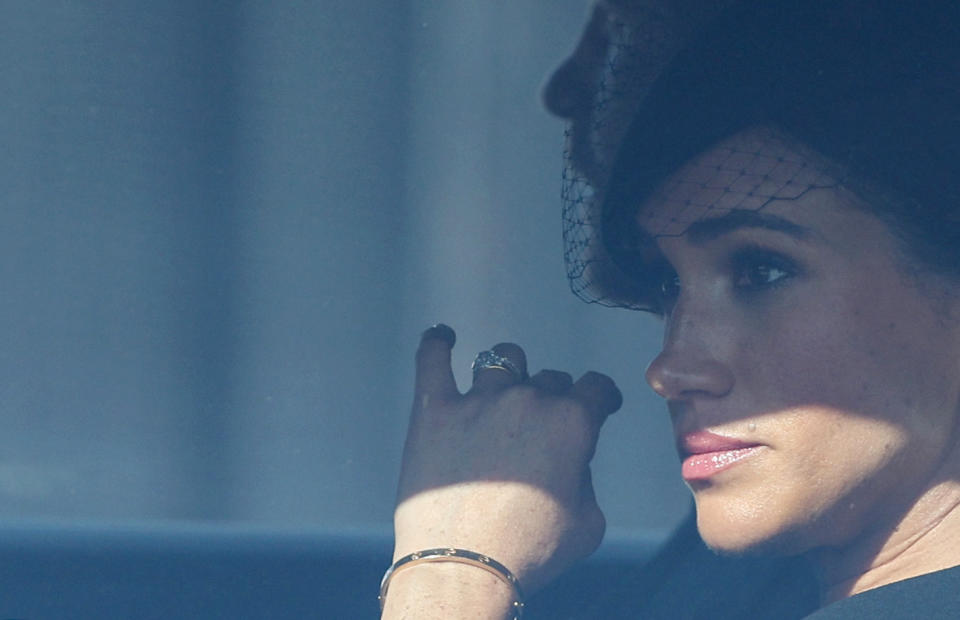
column 705, row 454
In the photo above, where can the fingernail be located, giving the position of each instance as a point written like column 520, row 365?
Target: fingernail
column 443, row 332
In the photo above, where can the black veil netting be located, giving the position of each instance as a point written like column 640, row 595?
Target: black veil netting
column 870, row 89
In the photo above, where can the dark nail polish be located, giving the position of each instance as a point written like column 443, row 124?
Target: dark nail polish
column 443, row 332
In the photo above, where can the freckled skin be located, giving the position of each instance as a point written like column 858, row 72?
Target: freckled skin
column 844, row 371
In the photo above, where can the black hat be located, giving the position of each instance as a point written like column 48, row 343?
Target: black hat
column 874, row 86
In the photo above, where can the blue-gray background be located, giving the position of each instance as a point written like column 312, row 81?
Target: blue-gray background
column 224, row 225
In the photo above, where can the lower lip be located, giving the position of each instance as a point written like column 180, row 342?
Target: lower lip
column 704, row 465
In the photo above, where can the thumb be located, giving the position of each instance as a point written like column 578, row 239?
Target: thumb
column 434, row 376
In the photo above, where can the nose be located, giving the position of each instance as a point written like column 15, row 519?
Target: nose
column 691, row 363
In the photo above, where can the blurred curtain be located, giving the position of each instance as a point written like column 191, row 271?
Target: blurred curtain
column 224, row 225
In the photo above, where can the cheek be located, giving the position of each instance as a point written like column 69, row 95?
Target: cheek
column 865, row 380
column 814, row 358
column 865, row 351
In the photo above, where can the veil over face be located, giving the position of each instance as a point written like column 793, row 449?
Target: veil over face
column 623, row 50
column 872, row 86
column 780, row 180
column 812, row 381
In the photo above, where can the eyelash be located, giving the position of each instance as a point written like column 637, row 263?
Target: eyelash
column 774, row 270
column 750, row 261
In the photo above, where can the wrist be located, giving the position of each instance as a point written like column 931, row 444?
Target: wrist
column 444, row 583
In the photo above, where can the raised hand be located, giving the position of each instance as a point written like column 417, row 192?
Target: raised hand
column 503, row 469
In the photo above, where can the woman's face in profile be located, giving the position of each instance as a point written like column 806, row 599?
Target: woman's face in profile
column 812, row 379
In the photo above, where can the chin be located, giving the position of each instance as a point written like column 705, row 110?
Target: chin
column 777, row 546
column 732, row 533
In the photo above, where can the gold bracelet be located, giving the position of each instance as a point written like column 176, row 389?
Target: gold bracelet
column 461, row 556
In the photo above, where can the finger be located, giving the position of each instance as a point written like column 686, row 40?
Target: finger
column 552, row 381
column 497, row 377
column 434, row 376
column 598, row 393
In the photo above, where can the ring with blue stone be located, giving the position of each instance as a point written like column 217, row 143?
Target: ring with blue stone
column 492, row 359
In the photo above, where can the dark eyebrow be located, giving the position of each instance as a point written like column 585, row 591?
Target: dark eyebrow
column 709, row 229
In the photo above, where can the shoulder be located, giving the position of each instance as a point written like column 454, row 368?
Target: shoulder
column 932, row 596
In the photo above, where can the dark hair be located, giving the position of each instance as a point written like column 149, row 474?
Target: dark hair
column 873, row 86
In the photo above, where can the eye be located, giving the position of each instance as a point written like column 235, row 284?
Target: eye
column 669, row 289
column 670, row 286
column 756, row 269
